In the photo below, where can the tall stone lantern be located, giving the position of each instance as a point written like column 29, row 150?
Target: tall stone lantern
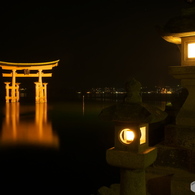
column 181, row 31
column 176, row 153
column 131, row 151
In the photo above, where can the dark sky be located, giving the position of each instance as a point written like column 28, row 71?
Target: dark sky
column 99, row 43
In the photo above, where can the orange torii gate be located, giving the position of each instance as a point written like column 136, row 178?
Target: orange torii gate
column 24, row 70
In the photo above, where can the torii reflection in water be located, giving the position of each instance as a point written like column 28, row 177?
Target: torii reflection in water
column 21, row 127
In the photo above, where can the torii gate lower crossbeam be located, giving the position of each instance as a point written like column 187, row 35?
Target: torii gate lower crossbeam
column 12, row 88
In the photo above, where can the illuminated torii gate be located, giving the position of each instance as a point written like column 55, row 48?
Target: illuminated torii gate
column 12, row 91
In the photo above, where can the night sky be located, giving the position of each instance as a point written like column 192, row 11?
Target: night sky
column 99, row 43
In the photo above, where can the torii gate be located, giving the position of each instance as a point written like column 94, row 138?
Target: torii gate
column 12, row 91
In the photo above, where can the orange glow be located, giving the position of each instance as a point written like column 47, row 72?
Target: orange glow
column 143, row 135
column 191, row 50
column 18, row 129
column 127, row 136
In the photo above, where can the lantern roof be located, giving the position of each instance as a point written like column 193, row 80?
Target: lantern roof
column 133, row 110
column 29, row 64
column 180, row 26
column 133, row 113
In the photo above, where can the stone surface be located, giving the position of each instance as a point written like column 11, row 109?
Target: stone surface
column 176, row 157
column 186, row 114
column 133, row 89
column 172, row 157
column 114, row 189
column 180, row 136
column 178, row 149
column 130, row 160
column 133, row 110
column 132, row 182
column 179, row 26
column 170, row 181
column 133, row 113
column 182, row 23
column 182, row 72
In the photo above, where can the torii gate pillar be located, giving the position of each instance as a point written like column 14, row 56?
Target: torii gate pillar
column 40, row 92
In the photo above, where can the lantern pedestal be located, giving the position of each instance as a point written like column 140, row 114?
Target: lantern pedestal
column 186, row 74
column 132, row 182
column 132, row 168
column 131, row 160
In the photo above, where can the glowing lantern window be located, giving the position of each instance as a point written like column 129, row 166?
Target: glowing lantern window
column 143, row 135
column 127, row 136
column 191, row 50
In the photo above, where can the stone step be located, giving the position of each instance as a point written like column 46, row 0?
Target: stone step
column 176, row 157
column 180, row 136
column 170, row 181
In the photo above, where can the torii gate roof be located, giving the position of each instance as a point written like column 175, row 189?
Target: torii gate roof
column 30, row 66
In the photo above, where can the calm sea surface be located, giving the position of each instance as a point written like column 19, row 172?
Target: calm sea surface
column 58, row 147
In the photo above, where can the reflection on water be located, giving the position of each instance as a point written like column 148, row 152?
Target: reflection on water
column 83, row 105
column 26, row 128
column 78, row 166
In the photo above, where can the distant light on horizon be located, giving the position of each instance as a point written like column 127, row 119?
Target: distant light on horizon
column 191, row 50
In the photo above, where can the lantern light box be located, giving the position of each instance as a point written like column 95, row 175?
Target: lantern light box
column 132, row 137
column 188, row 51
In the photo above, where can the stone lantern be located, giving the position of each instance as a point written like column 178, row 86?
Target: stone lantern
column 131, row 151
column 176, row 153
column 181, row 31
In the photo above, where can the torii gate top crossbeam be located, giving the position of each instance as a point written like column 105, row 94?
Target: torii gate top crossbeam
column 29, row 66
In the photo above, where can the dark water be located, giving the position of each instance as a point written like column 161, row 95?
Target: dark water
column 57, row 147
